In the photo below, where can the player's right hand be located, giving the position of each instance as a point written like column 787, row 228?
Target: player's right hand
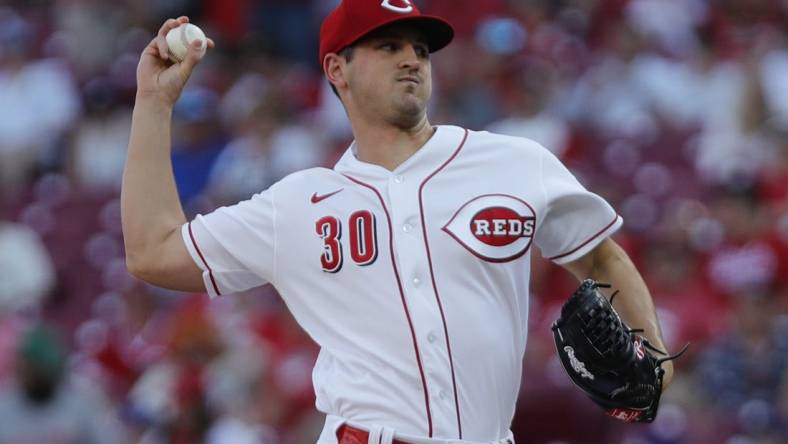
column 160, row 79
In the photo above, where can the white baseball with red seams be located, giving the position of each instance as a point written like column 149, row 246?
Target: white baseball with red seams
column 178, row 41
column 414, row 282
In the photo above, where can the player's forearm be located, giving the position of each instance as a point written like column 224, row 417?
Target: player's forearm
column 609, row 263
column 150, row 207
column 634, row 303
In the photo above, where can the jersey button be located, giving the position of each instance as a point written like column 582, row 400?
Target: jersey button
column 399, row 179
column 416, row 282
column 407, row 227
column 432, row 337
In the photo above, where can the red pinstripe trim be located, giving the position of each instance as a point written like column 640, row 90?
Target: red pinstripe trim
column 435, row 286
column 210, row 272
column 615, row 219
column 404, row 304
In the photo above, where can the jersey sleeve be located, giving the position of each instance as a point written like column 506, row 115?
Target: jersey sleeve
column 576, row 220
column 235, row 246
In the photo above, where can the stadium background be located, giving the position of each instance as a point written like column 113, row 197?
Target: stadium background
column 675, row 110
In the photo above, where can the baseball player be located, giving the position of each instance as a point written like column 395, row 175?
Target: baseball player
column 408, row 262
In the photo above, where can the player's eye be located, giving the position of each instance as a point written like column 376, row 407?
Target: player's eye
column 422, row 51
column 389, row 46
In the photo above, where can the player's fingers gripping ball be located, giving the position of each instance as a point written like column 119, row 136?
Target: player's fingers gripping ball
column 179, row 39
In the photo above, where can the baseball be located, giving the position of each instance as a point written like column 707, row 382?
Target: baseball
column 179, row 39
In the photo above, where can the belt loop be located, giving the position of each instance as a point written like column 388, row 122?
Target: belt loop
column 381, row 435
column 387, row 435
column 374, row 435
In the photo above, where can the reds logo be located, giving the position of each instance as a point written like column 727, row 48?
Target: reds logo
column 494, row 227
column 401, row 9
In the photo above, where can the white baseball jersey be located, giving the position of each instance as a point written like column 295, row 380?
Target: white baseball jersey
column 414, row 282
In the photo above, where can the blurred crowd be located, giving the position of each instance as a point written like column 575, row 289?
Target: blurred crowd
column 676, row 111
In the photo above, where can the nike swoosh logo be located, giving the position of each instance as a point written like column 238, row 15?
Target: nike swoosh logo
column 315, row 198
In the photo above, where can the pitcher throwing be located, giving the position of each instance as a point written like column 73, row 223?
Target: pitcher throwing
column 408, row 262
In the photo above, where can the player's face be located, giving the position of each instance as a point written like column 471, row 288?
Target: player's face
column 390, row 75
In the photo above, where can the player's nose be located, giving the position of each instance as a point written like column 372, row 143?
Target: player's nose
column 410, row 56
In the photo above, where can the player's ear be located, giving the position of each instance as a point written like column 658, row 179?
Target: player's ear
column 334, row 68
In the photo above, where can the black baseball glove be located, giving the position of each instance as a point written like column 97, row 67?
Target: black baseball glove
column 614, row 365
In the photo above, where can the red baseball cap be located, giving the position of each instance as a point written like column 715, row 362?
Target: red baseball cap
column 354, row 19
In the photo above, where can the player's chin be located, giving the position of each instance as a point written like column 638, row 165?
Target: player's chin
column 415, row 98
column 408, row 113
column 411, row 104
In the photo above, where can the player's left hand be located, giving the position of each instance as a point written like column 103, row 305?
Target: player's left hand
column 614, row 365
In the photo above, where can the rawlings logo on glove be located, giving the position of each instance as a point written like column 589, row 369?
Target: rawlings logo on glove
column 611, row 363
column 577, row 366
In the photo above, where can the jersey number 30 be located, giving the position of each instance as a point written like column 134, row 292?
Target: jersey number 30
column 363, row 240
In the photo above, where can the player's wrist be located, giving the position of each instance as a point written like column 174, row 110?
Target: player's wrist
column 154, row 102
column 667, row 378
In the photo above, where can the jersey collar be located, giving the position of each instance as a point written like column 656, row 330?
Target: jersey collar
column 423, row 162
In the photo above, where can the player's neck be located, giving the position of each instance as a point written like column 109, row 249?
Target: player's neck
column 389, row 146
